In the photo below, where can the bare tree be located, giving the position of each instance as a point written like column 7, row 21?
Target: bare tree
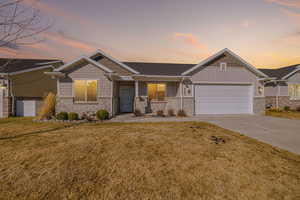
column 20, row 23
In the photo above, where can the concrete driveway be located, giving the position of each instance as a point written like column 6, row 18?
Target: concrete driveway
column 280, row 132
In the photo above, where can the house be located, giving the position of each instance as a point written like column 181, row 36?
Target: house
column 23, row 85
column 284, row 89
column 221, row 84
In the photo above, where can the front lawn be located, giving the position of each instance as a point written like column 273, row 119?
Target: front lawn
column 284, row 114
column 140, row 161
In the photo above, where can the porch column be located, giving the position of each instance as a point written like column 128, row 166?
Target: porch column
column 136, row 88
column 181, row 94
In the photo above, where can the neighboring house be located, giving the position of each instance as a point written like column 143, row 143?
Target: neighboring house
column 23, row 84
column 222, row 84
column 284, row 89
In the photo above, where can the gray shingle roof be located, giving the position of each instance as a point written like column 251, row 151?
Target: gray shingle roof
column 169, row 69
column 279, row 73
column 8, row 65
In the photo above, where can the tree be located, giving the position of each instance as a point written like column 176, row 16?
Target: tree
column 20, row 23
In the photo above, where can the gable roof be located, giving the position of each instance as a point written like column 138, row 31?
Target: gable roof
column 165, row 69
column 283, row 72
column 86, row 59
column 98, row 51
column 14, row 65
column 220, row 53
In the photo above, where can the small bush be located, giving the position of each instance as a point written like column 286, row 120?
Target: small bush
column 73, row 116
column 171, row 113
column 62, row 116
column 137, row 113
column 298, row 109
column 275, row 110
column 102, row 114
column 48, row 108
column 181, row 113
column 287, row 108
column 160, row 113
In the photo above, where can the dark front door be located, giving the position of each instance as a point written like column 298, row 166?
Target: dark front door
column 126, row 94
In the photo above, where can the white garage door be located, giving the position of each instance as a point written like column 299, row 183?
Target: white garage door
column 26, row 108
column 223, row 99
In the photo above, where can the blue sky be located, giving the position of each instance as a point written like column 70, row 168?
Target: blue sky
column 264, row 32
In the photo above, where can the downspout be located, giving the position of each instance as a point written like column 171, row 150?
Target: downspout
column 181, row 94
column 112, row 95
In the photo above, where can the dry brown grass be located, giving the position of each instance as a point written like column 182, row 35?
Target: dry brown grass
column 141, row 161
column 283, row 114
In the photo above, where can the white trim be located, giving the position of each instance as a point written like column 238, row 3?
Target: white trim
column 88, row 60
column 249, row 66
column 222, row 83
column 51, row 62
column 223, row 67
column 292, row 73
column 98, row 51
column 161, row 76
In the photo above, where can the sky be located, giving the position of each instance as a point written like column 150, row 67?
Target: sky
column 266, row 33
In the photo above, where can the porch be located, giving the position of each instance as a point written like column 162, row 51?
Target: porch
column 152, row 94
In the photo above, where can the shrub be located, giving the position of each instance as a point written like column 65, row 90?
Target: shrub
column 298, row 109
column 62, row 116
column 171, row 113
column 73, row 116
column 102, row 114
column 181, row 113
column 286, row 108
column 275, row 110
column 48, row 108
column 137, row 113
column 160, row 113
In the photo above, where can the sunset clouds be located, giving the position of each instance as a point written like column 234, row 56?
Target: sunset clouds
column 189, row 39
column 289, row 3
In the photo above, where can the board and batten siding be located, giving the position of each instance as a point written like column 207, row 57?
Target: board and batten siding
column 85, row 72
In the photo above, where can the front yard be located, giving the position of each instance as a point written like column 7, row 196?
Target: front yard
column 284, row 114
column 185, row 160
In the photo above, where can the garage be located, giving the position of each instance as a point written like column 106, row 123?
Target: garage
column 26, row 108
column 223, row 99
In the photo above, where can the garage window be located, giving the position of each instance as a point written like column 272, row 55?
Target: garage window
column 156, row 91
column 85, row 90
column 294, row 91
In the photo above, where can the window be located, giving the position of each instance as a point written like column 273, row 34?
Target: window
column 294, row 91
column 156, row 91
column 85, row 90
column 223, row 67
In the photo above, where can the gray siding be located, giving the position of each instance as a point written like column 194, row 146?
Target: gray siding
column 85, row 71
column 65, row 100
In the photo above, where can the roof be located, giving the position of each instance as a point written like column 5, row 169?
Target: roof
column 221, row 53
column 280, row 73
column 9, row 65
column 165, row 69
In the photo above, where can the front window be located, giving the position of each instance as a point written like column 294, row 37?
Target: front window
column 85, row 90
column 294, row 91
column 156, row 91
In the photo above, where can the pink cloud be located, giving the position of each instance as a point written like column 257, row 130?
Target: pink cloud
column 56, row 11
column 289, row 3
column 189, row 39
column 68, row 41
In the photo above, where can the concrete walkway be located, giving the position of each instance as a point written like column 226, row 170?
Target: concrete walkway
column 283, row 133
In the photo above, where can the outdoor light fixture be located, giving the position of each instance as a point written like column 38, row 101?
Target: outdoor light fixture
column 3, row 86
column 260, row 90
